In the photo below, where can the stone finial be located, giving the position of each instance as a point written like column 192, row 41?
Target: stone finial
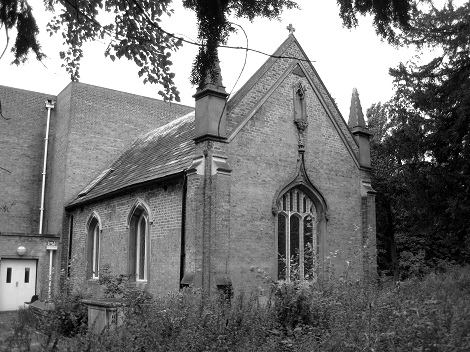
column 356, row 117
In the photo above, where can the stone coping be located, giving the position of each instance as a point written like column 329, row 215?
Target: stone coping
column 31, row 235
column 103, row 302
column 41, row 305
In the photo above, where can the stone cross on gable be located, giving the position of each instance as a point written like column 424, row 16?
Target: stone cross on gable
column 290, row 28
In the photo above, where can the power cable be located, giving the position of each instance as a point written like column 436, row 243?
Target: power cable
column 243, row 68
column 159, row 28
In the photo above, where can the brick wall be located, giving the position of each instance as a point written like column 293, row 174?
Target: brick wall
column 94, row 126
column 21, row 158
column 165, row 203
column 207, row 231
column 57, row 160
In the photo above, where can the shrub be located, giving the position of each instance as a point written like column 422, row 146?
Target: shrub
column 115, row 286
column 22, row 335
column 70, row 316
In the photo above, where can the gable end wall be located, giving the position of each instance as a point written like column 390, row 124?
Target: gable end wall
column 263, row 157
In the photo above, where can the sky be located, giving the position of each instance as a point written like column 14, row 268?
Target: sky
column 344, row 59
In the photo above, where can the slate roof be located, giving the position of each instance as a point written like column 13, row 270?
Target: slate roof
column 162, row 152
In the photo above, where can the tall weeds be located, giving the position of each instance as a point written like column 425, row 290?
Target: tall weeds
column 421, row 314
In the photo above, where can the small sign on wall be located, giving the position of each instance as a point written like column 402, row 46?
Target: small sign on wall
column 51, row 245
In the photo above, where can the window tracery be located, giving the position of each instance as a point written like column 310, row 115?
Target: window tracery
column 296, row 236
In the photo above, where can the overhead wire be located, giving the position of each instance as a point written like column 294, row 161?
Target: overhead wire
column 156, row 25
column 192, row 42
column 241, row 72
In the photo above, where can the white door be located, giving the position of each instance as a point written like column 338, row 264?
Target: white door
column 17, row 282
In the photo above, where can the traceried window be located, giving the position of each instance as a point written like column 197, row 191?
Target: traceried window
column 93, row 255
column 296, row 236
column 138, row 244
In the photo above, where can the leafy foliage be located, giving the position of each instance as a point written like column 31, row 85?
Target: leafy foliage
column 115, row 286
column 390, row 16
column 422, row 150
column 134, row 33
column 132, row 29
column 427, row 314
column 69, row 317
column 18, row 13
column 214, row 26
column 440, row 91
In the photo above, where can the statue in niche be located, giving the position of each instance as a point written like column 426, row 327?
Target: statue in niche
column 300, row 103
column 300, row 113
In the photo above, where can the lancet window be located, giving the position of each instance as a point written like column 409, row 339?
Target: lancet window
column 93, row 251
column 139, row 244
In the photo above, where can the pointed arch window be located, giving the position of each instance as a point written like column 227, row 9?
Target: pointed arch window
column 139, row 244
column 296, row 236
column 93, row 250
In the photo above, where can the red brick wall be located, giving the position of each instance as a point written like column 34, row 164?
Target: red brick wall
column 21, row 158
column 165, row 203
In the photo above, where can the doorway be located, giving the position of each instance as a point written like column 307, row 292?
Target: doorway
column 17, row 282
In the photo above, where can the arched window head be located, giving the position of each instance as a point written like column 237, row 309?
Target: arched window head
column 139, row 243
column 296, row 236
column 93, row 246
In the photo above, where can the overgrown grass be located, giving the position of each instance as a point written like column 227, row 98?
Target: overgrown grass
column 425, row 314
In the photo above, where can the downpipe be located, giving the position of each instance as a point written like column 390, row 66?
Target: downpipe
column 49, row 106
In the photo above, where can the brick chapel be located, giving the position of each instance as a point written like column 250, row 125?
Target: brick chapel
column 271, row 179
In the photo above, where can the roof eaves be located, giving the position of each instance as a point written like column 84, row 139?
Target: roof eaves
column 95, row 182
column 78, row 202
